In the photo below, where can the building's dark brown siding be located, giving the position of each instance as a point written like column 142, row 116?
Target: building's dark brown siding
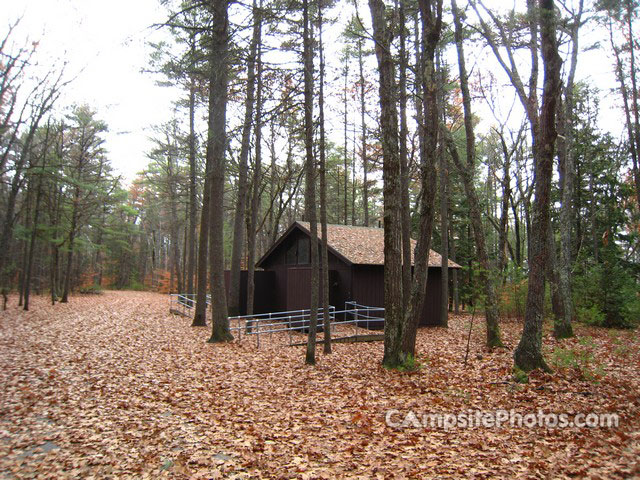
column 298, row 288
column 431, row 309
column 368, row 285
column 278, row 288
column 290, row 294
column 263, row 301
column 289, row 287
column 340, row 285
column 368, row 289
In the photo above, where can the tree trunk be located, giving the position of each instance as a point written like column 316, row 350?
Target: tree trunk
column 36, row 218
column 310, row 179
column 444, row 230
column 238, row 222
column 431, row 16
column 557, row 305
column 324, row 253
column 252, row 227
column 24, row 248
column 634, row 93
column 363, row 113
column 200, row 316
column 516, row 231
column 466, row 171
column 504, row 211
column 404, row 165
column 394, row 324
column 454, row 271
column 193, row 194
column 346, row 149
column 174, row 228
column 216, row 145
column 54, row 215
column 72, row 236
column 528, row 354
column 9, row 220
column 567, row 173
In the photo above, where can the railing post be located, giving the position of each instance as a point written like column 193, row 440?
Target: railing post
column 357, row 320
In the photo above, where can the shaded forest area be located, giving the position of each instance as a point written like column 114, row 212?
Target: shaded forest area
column 467, row 127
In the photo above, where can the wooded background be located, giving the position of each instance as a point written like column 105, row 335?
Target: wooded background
column 468, row 127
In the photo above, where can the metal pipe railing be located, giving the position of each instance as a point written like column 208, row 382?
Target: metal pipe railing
column 288, row 321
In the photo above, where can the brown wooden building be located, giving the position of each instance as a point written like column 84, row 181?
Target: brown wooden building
column 356, row 269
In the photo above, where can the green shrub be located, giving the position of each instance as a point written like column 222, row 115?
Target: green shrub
column 590, row 315
column 91, row 290
column 520, row 376
column 411, row 364
column 582, row 361
column 136, row 285
column 631, row 313
column 606, row 293
column 512, row 294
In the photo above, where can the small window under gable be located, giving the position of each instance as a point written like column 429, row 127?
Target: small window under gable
column 303, row 251
column 291, row 257
column 298, row 252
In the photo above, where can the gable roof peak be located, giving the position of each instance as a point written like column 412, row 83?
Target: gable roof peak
column 363, row 245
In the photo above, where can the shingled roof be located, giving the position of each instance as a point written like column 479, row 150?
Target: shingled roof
column 360, row 245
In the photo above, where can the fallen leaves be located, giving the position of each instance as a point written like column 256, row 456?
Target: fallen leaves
column 115, row 387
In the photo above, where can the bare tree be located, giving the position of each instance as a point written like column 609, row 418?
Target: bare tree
column 466, row 172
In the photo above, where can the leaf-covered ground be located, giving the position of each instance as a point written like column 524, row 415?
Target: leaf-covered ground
column 113, row 386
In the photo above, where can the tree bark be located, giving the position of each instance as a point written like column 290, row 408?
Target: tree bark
column 404, row 165
column 200, row 315
column 310, row 179
column 528, row 354
column 193, row 194
column 466, row 171
column 394, row 324
column 431, row 17
column 238, row 221
column 252, row 227
column 36, row 218
column 216, row 145
column 444, row 231
column 324, row 252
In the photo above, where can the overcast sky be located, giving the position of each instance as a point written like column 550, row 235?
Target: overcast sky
column 105, row 45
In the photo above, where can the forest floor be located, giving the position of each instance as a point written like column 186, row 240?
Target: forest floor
column 113, row 386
